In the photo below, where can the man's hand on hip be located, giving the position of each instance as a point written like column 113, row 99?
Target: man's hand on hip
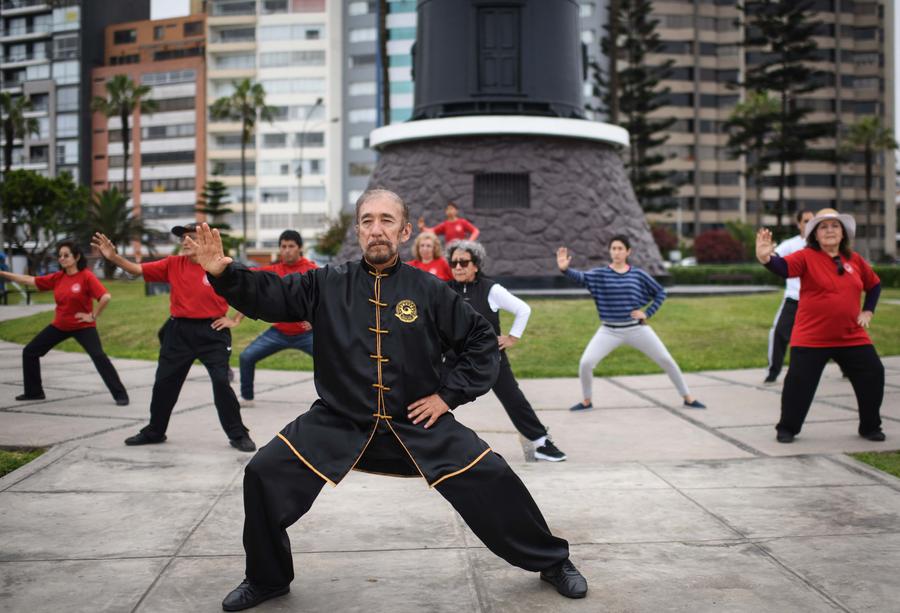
column 429, row 407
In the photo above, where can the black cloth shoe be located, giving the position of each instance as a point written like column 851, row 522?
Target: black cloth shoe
column 122, row 402
column 142, row 438
column 548, row 451
column 784, row 436
column 31, row 396
column 581, row 407
column 770, row 380
column 244, row 443
column 877, row 436
column 247, row 595
column 566, row 579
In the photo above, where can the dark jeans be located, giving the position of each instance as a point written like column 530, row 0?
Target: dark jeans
column 496, row 505
column 183, row 341
column 860, row 364
column 269, row 342
column 517, row 406
column 780, row 336
column 50, row 337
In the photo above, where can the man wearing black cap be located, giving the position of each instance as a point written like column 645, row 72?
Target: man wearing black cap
column 197, row 330
column 283, row 335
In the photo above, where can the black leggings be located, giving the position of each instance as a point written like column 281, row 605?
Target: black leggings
column 860, row 364
column 50, row 337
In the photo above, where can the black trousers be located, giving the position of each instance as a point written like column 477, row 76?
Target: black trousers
column 516, row 405
column 781, row 336
column 860, row 364
column 50, row 337
column 183, row 341
column 496, row 505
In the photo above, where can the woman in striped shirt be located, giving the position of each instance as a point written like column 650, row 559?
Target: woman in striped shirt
column 620, row 292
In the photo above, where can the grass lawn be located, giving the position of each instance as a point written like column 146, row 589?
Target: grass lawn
column 11, row 460
column 887, row 461
column 707, row 333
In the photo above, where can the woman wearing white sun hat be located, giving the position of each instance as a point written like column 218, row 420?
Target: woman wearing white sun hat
column 830, row 323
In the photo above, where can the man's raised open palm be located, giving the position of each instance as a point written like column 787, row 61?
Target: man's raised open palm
column 208, row 250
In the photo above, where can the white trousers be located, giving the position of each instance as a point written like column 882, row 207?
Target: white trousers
column 642, row 338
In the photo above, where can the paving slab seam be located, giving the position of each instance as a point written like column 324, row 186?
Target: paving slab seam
column 694, row 422
column 796, row 575
column 818, row 421
column 81, row 416
column 52, row 456
column 478, row 593
column 187, row 537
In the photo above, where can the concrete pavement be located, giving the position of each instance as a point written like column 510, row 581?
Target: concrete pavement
column 667, row 509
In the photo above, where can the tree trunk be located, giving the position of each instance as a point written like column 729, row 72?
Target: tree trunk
column 869, row 162
column 125, row 143
column 244, row 186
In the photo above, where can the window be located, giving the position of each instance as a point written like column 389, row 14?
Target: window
column 358, row 61
column 275, row 194
column 310, row 139
column 232, row 168
column 359, row 170
column 40, row 102
column 362, row 35
column 120, row 60
column 292, row 58
column 167, row 157
column 588, row 37
column 66, row 18
column 502, row 190
column 175, row 104
column 294, row 86
column 401, row 34
column 361, row 116
column 364, row 88
column 66, row 125
column 360, row 8
column 235, row 35
column 37, row 72
column 43, row 128
column 235, row 61
column 678, row 21
column 274, row 6
column 159, row 32
column 65, row 47
column 274, row 141
column 124, row 37
column 168, row 185
column 67, row 152
column 298, row 31
column 166, row 78
column 174, row 54
column 586, row 9
column 171, row 131
column 39, row 155
column 193, row 28
column 233, row 7
column 359, row 142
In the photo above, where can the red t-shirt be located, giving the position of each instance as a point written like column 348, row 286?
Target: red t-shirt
column 829, row 302
column 458, row 229
column 438, row 267
column 281, row 269
column 73, row 294
column 191, row 294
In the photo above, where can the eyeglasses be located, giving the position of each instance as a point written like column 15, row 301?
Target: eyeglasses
column 460, row 263
column 840, row 267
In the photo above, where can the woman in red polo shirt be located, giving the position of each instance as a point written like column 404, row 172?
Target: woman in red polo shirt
column 427, row 253
column 829, row 323
column 75, row 289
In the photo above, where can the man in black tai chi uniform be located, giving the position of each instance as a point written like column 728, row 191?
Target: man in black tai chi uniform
column 381, row 328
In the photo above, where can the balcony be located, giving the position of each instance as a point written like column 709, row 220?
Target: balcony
column 23, row 7
column 25, row 32
column 232, row 9
column 12, row 60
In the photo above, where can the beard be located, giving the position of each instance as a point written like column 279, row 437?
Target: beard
column 380, row 252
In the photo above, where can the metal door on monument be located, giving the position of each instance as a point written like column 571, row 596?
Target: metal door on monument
column 498, row 51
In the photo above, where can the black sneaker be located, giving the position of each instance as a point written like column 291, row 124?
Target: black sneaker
column 581, row 407
column 548, row 451
column 694, row 404
column 243, row 443
column 770, row 380
column 142, row 438
column 31, row 396
column 566, row 579
column 783, row 436
column 877, row 436
column 122, row 402
column 247, row 595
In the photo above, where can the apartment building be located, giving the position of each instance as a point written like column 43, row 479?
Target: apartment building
column 856, row 51
column 167, row 163
column 47, row 51
column 292, row 48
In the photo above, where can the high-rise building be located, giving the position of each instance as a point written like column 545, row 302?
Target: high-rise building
column 47, row 51
column 167, row 163
column 856, row 55
column 292, row 48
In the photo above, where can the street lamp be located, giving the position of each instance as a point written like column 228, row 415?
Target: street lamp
column 301, row 137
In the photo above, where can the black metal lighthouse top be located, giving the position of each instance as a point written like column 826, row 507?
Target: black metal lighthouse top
column 481, row 57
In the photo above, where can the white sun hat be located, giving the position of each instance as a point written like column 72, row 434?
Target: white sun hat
column 846, row 220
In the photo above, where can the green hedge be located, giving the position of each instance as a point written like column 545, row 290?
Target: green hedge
column 755, row 274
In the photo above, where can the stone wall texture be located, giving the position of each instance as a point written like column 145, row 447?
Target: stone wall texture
column 580, row 197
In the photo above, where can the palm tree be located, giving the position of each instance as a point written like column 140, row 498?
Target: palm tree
column 110, row 214
column 869, row 136
column 15, row 125
column 750, row 128
column 246, row 104
column 123, row 97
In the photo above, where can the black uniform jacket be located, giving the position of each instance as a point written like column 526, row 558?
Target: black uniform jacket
column 378, row 343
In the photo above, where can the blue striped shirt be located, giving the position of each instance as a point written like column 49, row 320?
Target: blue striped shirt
column 618, row 294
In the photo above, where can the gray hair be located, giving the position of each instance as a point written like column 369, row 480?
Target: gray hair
column 380, row 192
column 473, row 248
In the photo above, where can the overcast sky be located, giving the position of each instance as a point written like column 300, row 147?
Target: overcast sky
column 161, row 9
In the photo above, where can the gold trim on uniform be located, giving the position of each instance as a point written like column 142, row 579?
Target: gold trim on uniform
column 406, row 311
column 462, row 470
column 305, row 461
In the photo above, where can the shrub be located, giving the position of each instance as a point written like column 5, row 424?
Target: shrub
column 664, row 238
column 745, row 234
column 724, row 274
column 889, row 274
column 718, row 247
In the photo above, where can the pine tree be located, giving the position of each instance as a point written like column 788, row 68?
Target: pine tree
column 781, row 33
column 214, row 203
column 635, row 93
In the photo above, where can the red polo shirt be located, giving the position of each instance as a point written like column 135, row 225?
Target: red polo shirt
column 438, row 267
column 282, row 270
column 829, row 302
column 73, row 294
column 191, row 294
column 458, row 229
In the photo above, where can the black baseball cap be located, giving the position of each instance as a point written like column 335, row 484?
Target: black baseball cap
column 180, row 231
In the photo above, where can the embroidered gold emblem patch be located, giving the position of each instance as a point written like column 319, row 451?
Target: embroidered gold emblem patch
column 406, row 311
